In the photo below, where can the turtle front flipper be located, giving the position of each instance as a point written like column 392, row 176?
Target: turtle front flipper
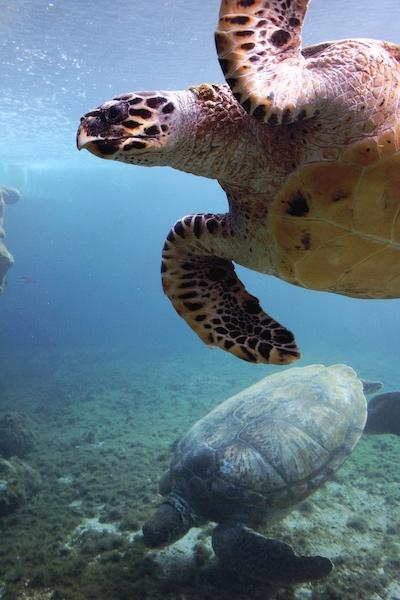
column 240, row 549
column 205, row 290
column 259, row 49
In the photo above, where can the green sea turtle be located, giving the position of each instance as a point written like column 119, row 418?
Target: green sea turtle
column 306, row 144
column 253, row 458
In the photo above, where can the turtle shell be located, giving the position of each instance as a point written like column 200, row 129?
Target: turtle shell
column 267, row 448
column 335, row 225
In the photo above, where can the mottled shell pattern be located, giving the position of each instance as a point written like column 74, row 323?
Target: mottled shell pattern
column 267, row 448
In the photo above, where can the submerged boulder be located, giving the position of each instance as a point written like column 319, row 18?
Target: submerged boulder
column 18, row 483
column 16, row 435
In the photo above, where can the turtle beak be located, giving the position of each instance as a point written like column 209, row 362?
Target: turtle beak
column 98, row 146
column 83, row 139
column 101, row 130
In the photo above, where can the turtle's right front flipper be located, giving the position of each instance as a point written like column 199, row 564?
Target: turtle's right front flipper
column 259, row 50
column 240, row 549
column 207, row 293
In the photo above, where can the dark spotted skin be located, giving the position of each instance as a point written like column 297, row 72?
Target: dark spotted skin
column 137, row 121
column 253, row 39
column 207, row 293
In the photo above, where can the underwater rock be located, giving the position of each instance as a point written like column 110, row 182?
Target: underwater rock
column 7, row 196
column 94, row 537
column 95, row 542
column 18, row 482
column 16, row 435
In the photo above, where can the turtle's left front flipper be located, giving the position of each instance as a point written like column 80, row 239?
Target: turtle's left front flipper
column 240, row 549
column 202, row 284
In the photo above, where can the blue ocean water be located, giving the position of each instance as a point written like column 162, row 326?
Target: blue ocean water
column 87, row 234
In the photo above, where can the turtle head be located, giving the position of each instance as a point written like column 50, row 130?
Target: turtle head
column 169, row 523
column 138, row 128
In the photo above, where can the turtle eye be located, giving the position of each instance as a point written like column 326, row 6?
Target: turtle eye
column 117, row 112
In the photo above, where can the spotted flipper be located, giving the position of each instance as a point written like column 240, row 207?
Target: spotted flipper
column 259, row 49
column 205, row 290
column 257, row 557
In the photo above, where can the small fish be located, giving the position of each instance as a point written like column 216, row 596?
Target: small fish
column 27, row 279
column 384, row 414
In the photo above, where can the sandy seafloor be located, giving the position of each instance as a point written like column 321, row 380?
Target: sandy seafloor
column 104, row 423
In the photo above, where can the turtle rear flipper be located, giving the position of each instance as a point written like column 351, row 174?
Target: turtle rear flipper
column 259, row 50
column 253, row 555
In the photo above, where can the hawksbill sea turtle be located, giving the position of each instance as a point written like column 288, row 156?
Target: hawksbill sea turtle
column 306, row 144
